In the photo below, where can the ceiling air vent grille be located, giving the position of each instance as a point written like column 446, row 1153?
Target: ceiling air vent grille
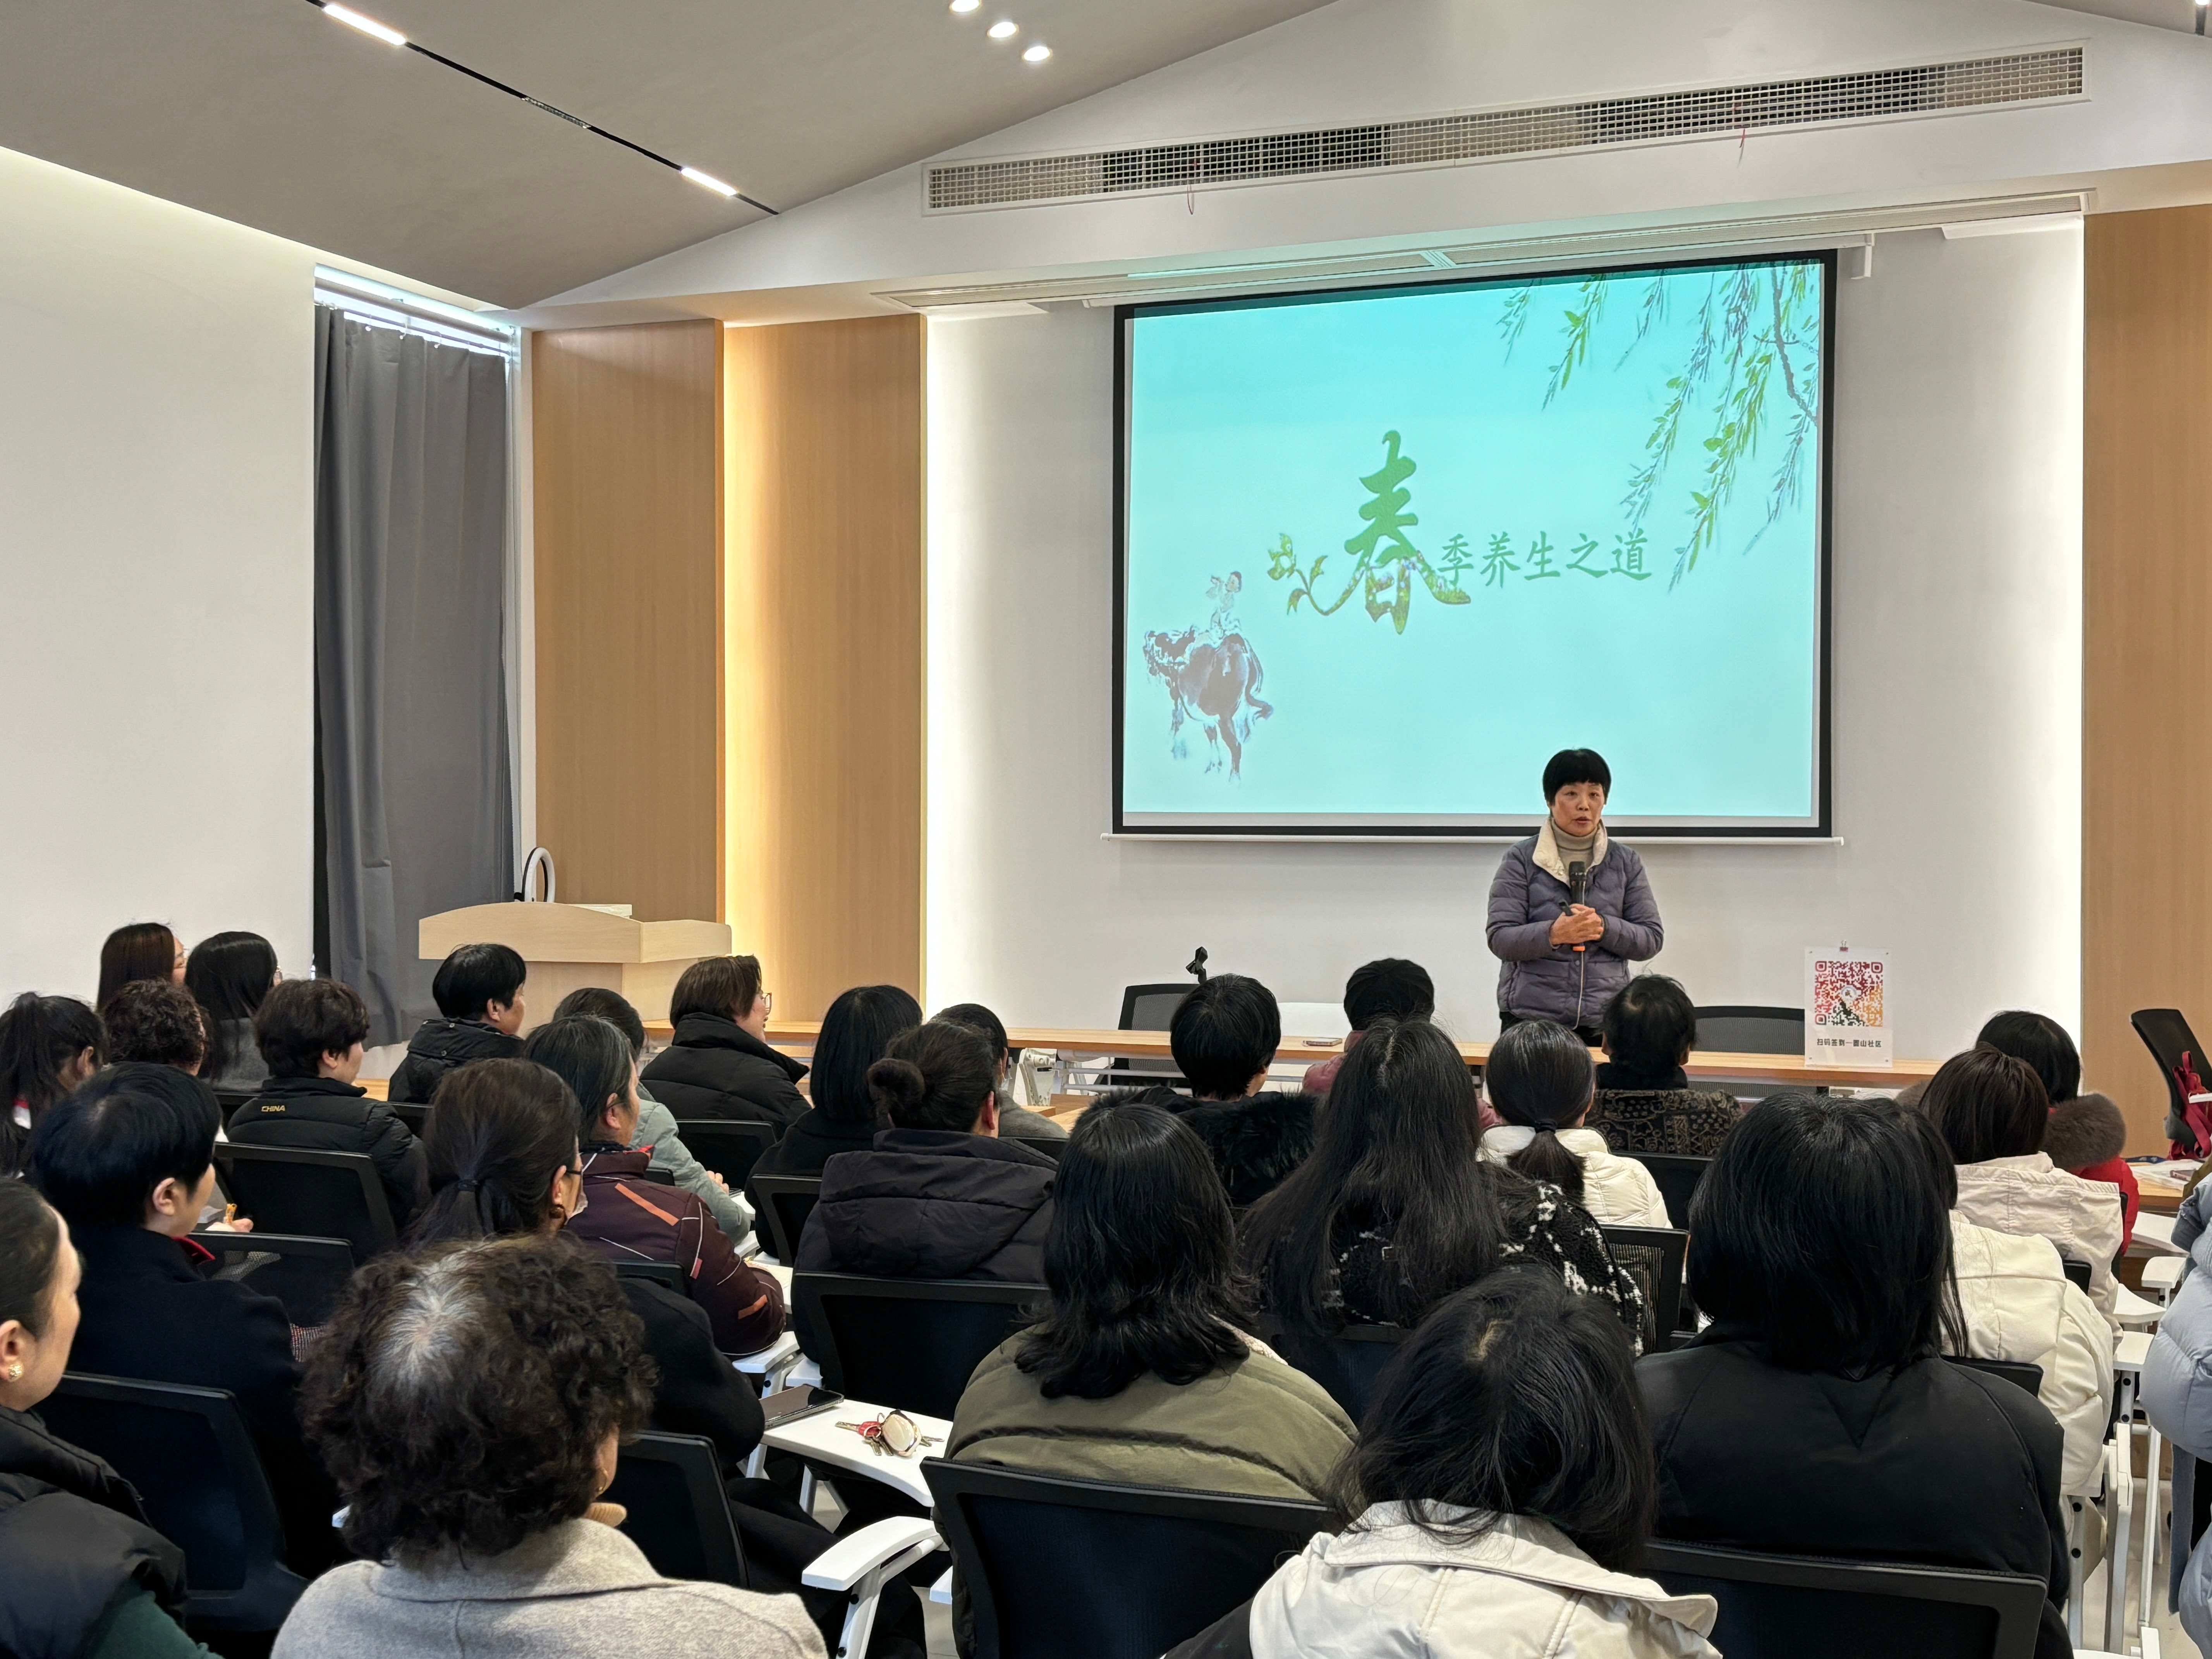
column 2024, row 77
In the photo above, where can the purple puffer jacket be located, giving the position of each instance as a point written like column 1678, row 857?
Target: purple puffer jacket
column 1539, row 979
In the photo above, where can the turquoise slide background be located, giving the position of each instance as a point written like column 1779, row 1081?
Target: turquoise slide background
column 1608, row 537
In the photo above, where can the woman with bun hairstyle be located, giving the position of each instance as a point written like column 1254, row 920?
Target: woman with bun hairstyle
column 48, row 1045
column 938, row 1195
column 1541, row 1083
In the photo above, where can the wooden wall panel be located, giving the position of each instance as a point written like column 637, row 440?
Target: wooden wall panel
column 2147, row 616
column 628, row 450
column 824, row 428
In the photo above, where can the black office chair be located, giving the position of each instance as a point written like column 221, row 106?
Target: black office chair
column 310, row 1194
column 1748, row 1029
column 1051, row 1148
column 1091, row 1569
column 2017, row 1372
column 1653, row 1256
column 415, row 1115
column 786, row 1202
column 1678, row 1177
column 2169, row 1039
column 2078, row 1272
column 1811, row 1607
column 909, row 1343
column 231, row 1099
column 1348, row 1363
column 728, row 1146
column 188, row 1453
column 679, row 1513
column 1150, row 1008
column 666, row 1275
column 305, row 1275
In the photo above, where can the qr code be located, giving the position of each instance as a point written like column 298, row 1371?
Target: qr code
column 1847, row 992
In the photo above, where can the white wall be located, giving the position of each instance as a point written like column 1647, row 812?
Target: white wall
column 1957, row 747
column 156, row 491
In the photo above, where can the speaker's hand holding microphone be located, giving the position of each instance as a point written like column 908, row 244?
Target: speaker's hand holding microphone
column 1578, row 925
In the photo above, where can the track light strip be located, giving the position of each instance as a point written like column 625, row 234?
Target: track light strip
column 550, row 109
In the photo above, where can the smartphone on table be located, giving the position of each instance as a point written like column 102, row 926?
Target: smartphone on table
column 789, row 1405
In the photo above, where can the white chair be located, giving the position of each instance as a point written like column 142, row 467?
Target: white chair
column 860, row 1566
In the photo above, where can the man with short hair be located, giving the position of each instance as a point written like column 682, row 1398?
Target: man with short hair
column 478, row 989
column 1223, row 1035
column 310, row 1032
column 1389, row 988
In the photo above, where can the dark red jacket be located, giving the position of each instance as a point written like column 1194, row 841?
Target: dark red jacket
column 626, row 1217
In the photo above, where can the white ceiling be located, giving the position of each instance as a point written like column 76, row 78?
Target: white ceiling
column 266, row 113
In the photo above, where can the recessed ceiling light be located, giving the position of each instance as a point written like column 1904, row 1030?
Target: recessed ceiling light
column 710, row 181
column 352, row 19
column 965, row 6
column 1003, row 27
column 1037, row 53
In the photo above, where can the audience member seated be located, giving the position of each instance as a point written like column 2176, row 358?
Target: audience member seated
column 656, row 1124
column 131, row 1172
column 938, row 1195
column 1993, row 1113
column 1396, row 1210
column 2176, row 1392
column 1223, row 1035
column 310, row 1033
column 626, row 1217
column 1541, row 1082
column 472, row 1402
column 1644, row 1101
column 158, row 1024
column 1017, row 1121
column 844, row 1118
column 229, row 975
column 1521, row 1539
column 81, row 1572
column 2087, row 1135
column 719, row 1064
column 1389, row 988
column 1815, row 1416
column 2017, row 1304
column 478, row 991
column 144, row 950
column 48, row 1045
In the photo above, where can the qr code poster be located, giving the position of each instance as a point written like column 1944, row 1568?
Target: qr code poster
column 1847, row 1006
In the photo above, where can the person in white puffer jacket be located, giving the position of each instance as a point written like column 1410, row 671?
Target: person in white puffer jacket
column 1541, row 1081
column 1443, row 1555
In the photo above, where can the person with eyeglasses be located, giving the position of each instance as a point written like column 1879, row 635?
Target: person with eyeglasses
column 720, row 1064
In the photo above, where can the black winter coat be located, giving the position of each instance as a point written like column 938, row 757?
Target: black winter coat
column 932, row 1204
column 807, row 1146
column 321, row 1114
column 1934, row 1463
column 1254, row 1142
column 438, row 1046
column 148, row 1313
column 716, row 1068
column 73, row 1543
column 697, row 1392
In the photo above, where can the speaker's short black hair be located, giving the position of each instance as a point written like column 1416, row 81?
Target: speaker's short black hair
column 476, row 975
column 1576, row 766
column 1224, row 1031
column 99, row 1155
column 303, row 1019
column 1389, row 988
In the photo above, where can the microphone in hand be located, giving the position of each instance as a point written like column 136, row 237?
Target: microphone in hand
column 1577, row 885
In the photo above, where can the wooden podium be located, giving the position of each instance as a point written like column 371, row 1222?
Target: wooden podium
column 570, row 946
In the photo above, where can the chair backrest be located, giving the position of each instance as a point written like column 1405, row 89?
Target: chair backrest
column 1678, row 1177
column 1091, row 1569
column 310, row 1194
column 2167, row 1035
column 2076, row 1270
column 415, row 1113
column 1810, row 1607
column 668, row 1275
column 1149, row 1008
column 188, row 1453
column 787, row 1202
column 1348, row 1362
column 1653, row 1255
column 305, row 1275
column 1748, row 1029
column 679, row 1513
column 2017, row 1372
column 909, row 1343
column 231, row 1099
column 1050, row 1146
column 728, row 1147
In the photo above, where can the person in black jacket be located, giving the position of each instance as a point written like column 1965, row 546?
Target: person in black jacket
column 130, row 1172
column 855, row 1034
column 1815, row 1415
column 938, row 1195
column 720, row 1064
column 310, row 1031
column 81, row 1572
column 479, row 990
column 1223, row 1035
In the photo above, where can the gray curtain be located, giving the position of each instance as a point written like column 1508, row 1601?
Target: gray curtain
column 410, row 533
